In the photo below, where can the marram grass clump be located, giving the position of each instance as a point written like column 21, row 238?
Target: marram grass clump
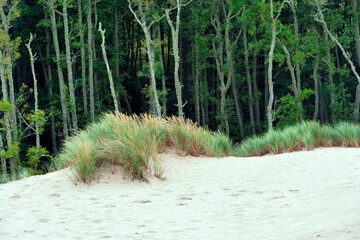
column 308, row 135
column 134, row 141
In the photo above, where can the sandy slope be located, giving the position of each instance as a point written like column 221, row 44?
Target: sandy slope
column 304, row 195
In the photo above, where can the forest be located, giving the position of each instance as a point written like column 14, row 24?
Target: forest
column 240, row 67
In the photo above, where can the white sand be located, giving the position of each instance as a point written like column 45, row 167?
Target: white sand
column 303, row 195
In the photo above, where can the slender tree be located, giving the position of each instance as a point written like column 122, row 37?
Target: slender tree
column 113, row 92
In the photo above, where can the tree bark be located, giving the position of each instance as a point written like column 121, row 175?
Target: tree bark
column 69, row 67
column 49, row 80
column 255, row 84
column 163, row 77
column 90, row 59
column 197, row 74
column 248, row 80
column 113, row 92
column 82, row 57
column 9, row 66
column 32, row 60
column 238, row 110
column 150, row 52
column 175, row 41
column 357, row 38
column 316, row 89
column 59, row 68
column 5, row 96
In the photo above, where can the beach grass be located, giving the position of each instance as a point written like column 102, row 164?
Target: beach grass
column 134, row 141
column 307, row 135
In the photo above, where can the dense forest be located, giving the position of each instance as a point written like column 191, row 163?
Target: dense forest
column 238, row 66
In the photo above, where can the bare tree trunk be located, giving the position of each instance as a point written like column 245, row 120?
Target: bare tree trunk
column 291, row 69
column 3, row 160
column 270, row 69
column 117, row 58
column 254, row 83
column 90, row 59
column 69, row 67
column 82, row 56
column 150, row 53
column 9, row 66
column 49, row 81
column 32, row 60
column 297, row 38
column 59, row 68
column 266, row 91
column 5, row 96
column 316, row 89
column 175, row 40
column 197, row 75
column 163, row 77
column 248, row 79
column 113, row 93
column 357, row 38
column 238, row 110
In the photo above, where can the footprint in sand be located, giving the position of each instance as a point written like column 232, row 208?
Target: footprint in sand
column 236, row 195
column 185, row 198
column 182, row 204
column 110, row 206
column 15, row 197
column 54, row 195
column 44, row 220
column 143, row 201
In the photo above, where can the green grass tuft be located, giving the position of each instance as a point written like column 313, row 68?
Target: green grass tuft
column 134, row 141
column 308, row 135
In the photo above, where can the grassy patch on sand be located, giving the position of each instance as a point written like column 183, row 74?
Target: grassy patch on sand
column 307, row 135
column 134, row 141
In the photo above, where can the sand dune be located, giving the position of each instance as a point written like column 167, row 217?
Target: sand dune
column 303, row 195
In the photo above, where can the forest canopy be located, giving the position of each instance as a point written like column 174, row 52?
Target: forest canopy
column 237, row 66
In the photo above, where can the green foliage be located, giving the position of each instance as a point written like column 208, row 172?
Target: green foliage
column 289, row 111
column 33, row 154
column 5, row 105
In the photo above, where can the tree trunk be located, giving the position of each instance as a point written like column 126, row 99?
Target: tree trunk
column 90, row 59
column 197, row 75
column 82, row 57
column 32, row 60
column 59, row 68
column 254, row 83
column 3, row 160
column 270, row 69
column 357, row 38
column 163, row 77
column 238, row 110
column 69, row 67
column 113, row 93
column 49, row 81
column 5, row 96
column 248, row 79
column 175, row 41
column 316, row 89
column 9, row 68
